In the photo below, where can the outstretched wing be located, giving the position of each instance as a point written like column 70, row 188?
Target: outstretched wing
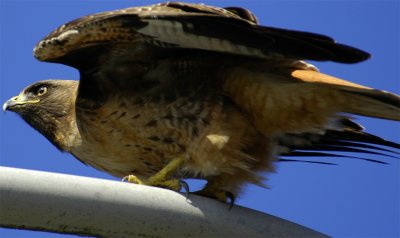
column 188, row 26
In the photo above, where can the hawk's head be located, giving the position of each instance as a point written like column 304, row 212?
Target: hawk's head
column 46, row 105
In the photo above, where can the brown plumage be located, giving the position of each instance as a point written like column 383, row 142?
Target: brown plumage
column 204, row 86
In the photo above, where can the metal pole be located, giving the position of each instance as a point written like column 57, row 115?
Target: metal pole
column 61, row 203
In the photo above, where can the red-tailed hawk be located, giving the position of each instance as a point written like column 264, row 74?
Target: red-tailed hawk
column 177, row 90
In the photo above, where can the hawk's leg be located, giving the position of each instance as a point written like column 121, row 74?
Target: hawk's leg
column 163, row 177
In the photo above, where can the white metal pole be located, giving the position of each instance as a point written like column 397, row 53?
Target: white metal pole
column 86, row 206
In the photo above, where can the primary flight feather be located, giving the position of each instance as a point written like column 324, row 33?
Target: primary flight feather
column 178, row 90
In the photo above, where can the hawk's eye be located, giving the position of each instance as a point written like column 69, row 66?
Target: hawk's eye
column 41, row 90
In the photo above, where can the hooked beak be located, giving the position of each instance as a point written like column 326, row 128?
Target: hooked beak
column 15, row 101
column 9, row 103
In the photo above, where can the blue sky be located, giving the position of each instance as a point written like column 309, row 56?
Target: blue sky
column 354, row 199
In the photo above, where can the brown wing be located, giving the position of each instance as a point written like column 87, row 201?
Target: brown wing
column 124, row 44
column 189, row 26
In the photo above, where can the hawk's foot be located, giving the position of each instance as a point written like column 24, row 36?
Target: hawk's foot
column 172, row 184
column 163, row 178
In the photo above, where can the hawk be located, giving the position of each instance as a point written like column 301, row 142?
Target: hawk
column 178, row 90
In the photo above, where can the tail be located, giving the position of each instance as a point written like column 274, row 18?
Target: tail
column 350, row 139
